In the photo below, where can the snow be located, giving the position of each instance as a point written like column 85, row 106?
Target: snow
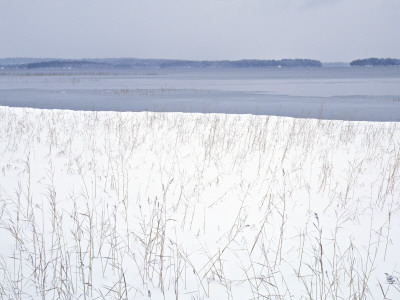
column 124, row 205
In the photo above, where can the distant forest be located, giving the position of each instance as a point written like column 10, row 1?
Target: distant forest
column 129, row 63
column 375, row 62
column 135, row 63
column 245, row 63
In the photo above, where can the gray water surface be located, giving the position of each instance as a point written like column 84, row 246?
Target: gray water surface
column 368, row 94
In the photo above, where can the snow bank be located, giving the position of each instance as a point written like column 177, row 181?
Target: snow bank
column 194, row 206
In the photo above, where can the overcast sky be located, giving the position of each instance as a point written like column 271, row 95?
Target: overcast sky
column 328, row 30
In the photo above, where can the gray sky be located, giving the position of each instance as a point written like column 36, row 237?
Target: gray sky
column 328, row 30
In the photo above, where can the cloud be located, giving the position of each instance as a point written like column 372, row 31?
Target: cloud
column 208, row 29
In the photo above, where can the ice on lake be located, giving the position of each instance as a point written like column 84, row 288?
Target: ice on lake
column 363, row 94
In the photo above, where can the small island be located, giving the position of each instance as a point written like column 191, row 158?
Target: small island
column 375, row 62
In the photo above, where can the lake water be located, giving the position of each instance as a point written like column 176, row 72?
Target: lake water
column 370, row 94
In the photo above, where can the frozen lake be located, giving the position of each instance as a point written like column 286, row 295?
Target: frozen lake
column 369, row 94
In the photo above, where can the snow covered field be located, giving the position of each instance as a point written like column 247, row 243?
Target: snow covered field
column 108, row 205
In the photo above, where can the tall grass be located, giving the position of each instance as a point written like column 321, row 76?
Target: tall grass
column 107, row 205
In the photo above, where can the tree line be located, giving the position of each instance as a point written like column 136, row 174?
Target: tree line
column 373, row 61
column 127, row 63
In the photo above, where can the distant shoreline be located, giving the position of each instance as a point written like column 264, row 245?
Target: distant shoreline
column 24, row 63
column 134, row 63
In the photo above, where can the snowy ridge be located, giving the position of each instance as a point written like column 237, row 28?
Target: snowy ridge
column 110, row 205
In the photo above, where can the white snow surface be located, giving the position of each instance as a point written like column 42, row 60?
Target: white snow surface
column 111, row 205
